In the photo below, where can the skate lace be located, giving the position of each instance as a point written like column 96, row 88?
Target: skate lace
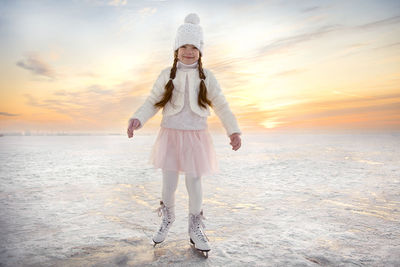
column 166, row 220
column 195, row 222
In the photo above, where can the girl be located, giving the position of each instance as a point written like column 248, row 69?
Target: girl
column 184, row 145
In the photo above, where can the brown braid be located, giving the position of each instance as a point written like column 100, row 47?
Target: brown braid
column 202, row 99
column 169, row 87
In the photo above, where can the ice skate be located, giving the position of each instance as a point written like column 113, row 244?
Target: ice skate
column 197, row 235
column 168, row 214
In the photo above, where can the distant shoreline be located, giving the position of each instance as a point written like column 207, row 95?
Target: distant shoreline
column 294, row 132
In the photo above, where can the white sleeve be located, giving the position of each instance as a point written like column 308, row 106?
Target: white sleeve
column 221, row 106
column 147, row 109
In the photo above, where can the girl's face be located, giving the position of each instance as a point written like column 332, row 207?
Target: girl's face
column 188, row 54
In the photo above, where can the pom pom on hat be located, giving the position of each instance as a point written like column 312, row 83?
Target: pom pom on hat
column 190, row 32
column 192, row 18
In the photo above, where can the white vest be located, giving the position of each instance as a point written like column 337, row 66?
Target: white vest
column 214, row 93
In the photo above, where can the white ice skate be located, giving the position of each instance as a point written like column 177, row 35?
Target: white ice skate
column 196, row 232
column 168, row 214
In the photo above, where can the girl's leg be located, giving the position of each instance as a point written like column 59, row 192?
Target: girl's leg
column 167, row 205
column 195, row 191
column 195, row 221
column 170, row 183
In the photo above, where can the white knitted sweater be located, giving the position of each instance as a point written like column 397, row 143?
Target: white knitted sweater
column 185, row 119
column 187, row 77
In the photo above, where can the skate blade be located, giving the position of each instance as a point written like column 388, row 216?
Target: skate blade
column 156, row 243
column 204, row 251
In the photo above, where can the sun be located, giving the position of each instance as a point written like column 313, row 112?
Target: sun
column 270, row 124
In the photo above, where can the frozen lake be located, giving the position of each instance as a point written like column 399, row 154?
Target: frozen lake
column 280, row 200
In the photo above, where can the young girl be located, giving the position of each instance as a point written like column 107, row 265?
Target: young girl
column 184, row 144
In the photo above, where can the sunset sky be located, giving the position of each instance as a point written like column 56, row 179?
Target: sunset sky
column 86, row 66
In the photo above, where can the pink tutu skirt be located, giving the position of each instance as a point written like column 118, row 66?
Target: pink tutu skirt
column 188, row 151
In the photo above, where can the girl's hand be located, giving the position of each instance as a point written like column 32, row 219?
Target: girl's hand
column 236, row 142
column 133, row 125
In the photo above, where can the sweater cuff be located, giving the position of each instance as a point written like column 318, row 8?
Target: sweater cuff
column 233, row 130
column 141, row 124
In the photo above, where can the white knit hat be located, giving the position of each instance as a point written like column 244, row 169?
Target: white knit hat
column 190, row 33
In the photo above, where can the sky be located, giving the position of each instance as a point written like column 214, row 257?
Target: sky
column 87, row 66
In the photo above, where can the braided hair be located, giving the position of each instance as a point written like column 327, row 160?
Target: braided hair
column 202, row 99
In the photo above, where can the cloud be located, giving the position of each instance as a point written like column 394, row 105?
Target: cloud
column 107, row 2
column 318, row 112
column 291, row 41
column 319, row 109
column 289, row 72
column 387, row 45
column 32, row 101
column 98, row 90
column 288, row 42
column 60, row 105
column 130, row 18
column 117, row 2
column 94, row 101
column 36, row 65
column 88, row 74
column 9, row 114
column 147, row 11
column 379, row 23
column 310, row 9
column 371, row 116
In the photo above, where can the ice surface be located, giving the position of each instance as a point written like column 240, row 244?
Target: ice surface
column 280, row 200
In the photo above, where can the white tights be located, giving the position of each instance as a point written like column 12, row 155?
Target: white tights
column 193, row 186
